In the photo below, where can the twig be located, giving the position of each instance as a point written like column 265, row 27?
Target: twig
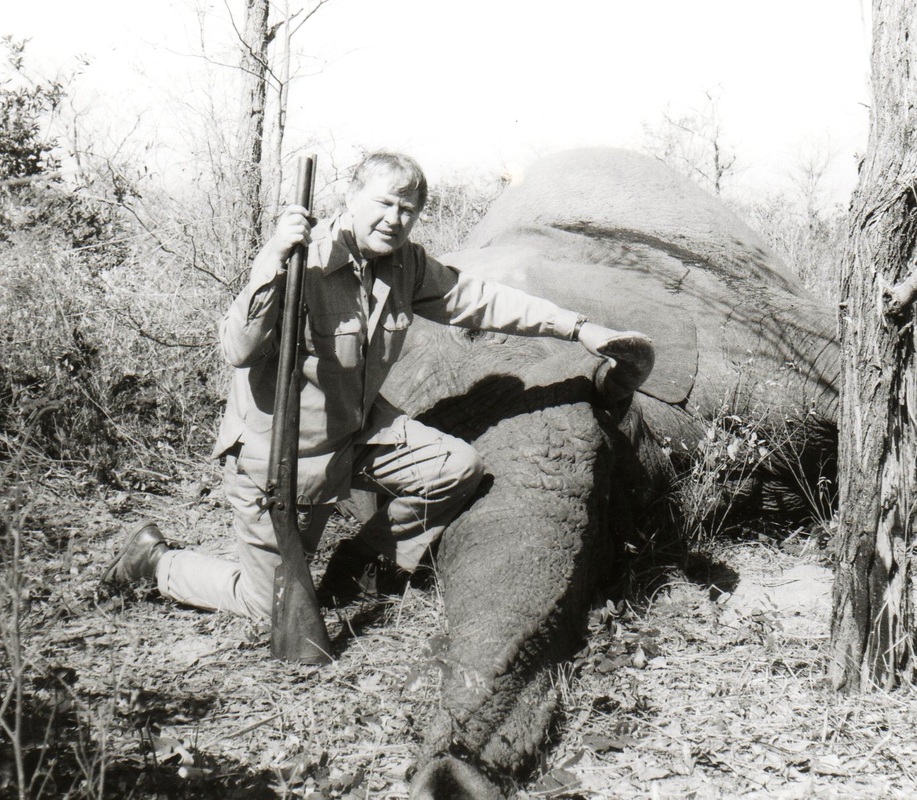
column 241, row 731
column 865, row 759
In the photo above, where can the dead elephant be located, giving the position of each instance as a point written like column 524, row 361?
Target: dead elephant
column 574, row 466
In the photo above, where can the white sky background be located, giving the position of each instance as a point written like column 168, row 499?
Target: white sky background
column 485, row 86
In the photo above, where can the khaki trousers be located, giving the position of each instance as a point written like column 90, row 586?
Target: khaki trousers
column 424, row 478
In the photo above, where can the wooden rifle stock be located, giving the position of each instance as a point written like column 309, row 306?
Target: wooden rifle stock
column 298, row 630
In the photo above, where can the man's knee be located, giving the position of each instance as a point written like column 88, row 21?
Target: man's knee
column 468, row 467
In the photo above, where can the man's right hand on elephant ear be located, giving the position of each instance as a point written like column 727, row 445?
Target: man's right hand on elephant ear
column 625, row 351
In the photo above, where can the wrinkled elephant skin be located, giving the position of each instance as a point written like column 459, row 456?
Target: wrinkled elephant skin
column 628, row 242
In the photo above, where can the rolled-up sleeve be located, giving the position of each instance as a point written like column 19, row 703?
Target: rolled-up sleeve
column 444, row 294
column 248, row 331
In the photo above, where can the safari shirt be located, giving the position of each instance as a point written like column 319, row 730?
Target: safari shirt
column 350, row 338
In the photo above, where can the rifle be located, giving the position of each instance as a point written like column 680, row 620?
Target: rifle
column 297, row 629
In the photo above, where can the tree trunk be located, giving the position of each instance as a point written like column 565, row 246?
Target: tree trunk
column 280, row 123
column 254, row 64
column 871, row 637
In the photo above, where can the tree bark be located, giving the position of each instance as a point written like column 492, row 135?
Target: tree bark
column 871, row 636
column 280, row 123
column 254, row 65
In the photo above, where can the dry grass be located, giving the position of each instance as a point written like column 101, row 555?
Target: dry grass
column 164, row 692
column 694, row 693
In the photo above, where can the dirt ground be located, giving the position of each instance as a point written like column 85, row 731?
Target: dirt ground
column 714, row 688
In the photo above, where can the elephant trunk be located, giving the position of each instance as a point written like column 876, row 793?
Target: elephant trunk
column 448, row 778
column 519, row 568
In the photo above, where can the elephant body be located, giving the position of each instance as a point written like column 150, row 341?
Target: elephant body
column 574, row 468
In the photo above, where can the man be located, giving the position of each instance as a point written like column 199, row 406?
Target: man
column 364, row 282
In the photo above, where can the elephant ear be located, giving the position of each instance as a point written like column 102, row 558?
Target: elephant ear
column 623, row 292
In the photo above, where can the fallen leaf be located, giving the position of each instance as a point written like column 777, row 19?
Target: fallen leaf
column 573, row 760
column 602, row 744
column 828, row 765
column 555, row 780
column 651, row 773
column 169, row 749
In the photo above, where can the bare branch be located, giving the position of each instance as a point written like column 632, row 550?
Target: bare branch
column 310, row 14
column 153, row 337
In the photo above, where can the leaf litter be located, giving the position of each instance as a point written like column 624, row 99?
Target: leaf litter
column 695, row 693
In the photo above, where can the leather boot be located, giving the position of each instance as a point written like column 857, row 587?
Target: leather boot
column 137, row 560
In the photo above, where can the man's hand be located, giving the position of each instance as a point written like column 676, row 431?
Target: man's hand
column 629, row 355
column 604, row 342
column 293, row 228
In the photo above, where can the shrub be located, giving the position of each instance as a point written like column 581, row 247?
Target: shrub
column 744, row 469
column 452, row 210
column 119, row 343
column 810, row 242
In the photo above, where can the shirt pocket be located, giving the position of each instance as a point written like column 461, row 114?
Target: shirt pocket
column 394, row 324
column 338, row 339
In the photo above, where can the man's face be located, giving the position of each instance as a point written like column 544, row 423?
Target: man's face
column 382, row 215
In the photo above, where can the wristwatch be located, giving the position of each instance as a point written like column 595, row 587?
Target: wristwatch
column 577, row 327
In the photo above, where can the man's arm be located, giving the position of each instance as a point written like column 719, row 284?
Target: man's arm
column 248, row 331
column 446, row 295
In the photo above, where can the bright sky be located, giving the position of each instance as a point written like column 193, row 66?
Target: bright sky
column 488, row 85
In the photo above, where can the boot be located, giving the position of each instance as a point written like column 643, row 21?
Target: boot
column 138, row 559
column 356, row 570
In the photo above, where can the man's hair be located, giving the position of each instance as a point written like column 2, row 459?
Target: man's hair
column 406, row 167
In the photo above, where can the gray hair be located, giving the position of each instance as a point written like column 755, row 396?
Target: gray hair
column 402, row 165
